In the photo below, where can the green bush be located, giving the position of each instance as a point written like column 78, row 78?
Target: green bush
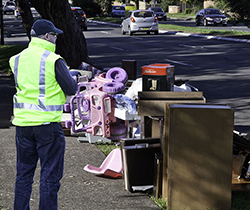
column 91, row 8
column 193, row 10
column 189, row 11
column 166, row 3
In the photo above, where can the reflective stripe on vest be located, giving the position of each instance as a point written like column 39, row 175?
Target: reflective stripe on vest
column 41, row 106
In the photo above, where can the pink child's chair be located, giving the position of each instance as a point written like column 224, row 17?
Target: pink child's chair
column 111, row 166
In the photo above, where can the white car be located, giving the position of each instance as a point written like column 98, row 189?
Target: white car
column 9, row 7
column 140, row 21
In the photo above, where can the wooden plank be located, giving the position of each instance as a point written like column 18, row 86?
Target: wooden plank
column 197, row 156
column 156, row 107
column 240, row 185
column 152, row 103
column 169, row 94
column 239, row 181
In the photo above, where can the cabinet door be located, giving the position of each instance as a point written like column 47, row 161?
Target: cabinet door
column 197, row 156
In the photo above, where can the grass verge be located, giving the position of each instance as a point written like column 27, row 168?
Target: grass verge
column 107, row 148
column 181, row 16
column 195, row 30
column 6, row 51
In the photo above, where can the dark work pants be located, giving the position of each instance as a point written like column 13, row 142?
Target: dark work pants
column 47, row 143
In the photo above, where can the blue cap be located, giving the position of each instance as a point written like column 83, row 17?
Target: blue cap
column 42, row 26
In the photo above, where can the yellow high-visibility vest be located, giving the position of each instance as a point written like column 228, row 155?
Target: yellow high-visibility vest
column 39, row 98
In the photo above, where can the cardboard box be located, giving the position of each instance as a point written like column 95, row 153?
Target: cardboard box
column 158, row 77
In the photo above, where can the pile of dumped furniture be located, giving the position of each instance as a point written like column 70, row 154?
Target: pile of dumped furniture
column 170, row 140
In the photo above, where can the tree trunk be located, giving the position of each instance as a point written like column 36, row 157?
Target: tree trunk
column 25, row 12
column 71, row 45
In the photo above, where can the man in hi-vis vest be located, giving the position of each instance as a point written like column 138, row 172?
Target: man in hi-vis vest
column 42, row 82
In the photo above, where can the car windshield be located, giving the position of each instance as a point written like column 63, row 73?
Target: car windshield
column 212, row 12
column 77, row 12
column 144, row 14
column 10, row 4
column 157, row 9
column 118, row 8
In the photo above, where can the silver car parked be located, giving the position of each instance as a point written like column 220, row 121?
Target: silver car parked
column 140, row 21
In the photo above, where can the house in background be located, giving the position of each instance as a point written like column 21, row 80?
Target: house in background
column 208, row 3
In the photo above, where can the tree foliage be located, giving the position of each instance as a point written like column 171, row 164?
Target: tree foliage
column 166, row 3
column 25, row 12
column 90, row 7
column 193, row 2
column 222, row 4
column 71, row 45
column 238, row 7
column 94, row 7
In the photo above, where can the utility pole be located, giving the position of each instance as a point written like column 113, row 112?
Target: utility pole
column 1, row 22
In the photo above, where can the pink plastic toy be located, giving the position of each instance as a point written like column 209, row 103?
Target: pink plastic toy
column 80, row 116
column 111, row 166
column 92, row 108
column 99, row 80
column 101, row 113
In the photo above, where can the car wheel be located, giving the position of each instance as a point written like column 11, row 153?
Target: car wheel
column 117, row 74
column 130, row 32
column 122, row 30
column 156, row 32
column 197, row 23
column 205, row 22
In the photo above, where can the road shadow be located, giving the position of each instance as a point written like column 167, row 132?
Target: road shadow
column 7, row 90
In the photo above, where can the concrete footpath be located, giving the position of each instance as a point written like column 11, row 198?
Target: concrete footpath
column 79, row 189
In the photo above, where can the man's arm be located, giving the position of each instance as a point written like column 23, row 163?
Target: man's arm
column 64, row 79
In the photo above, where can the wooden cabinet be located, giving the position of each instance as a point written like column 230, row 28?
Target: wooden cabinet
column 197, row 156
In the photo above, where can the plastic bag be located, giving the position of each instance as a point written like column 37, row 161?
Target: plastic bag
column 88, row 67
column 136, row 86
column 182, row 88
column 124, row 102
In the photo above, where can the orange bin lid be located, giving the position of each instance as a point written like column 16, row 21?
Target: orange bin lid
column 155, row 69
